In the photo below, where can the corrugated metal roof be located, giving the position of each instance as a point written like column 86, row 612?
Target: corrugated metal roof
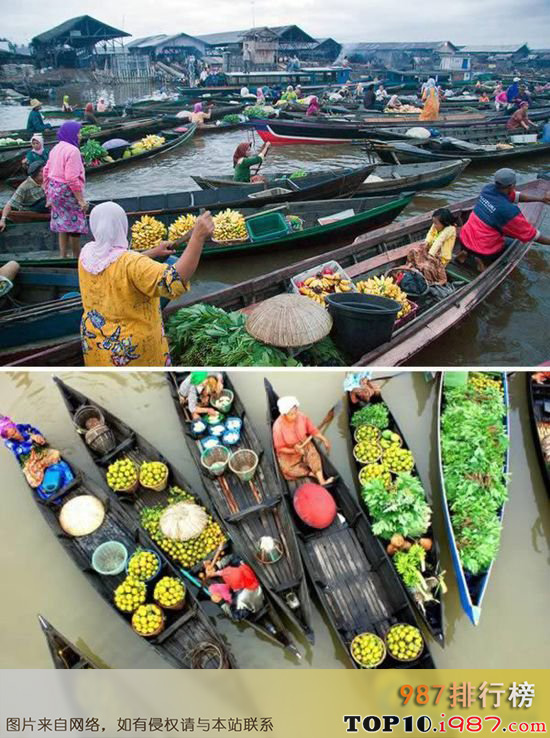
column 220, row 39
column 398, row 45
column 490, row 49
column 63, row 30
column 145, row 41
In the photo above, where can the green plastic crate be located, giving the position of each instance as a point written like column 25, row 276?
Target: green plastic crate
column 267, row 227
column 455, row 379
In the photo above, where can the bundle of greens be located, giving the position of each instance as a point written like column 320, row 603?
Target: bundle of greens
column 204, row 335
column 256, row 111
column 92, row 151
column 86, row 131
column 376, row 414
column 231, row 118
column 473, row 446
column 298, row 174
column 402, row 509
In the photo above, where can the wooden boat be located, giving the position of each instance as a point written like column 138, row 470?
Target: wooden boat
column 186, row 631
column 64, row 654
column 472, row 588
column 131, row 444
column 253, row 510
column 398, row 152
column 538, row 399
column 44, row 303
column 173, row 141
column 318, row 186
column 432, row 613
column 390, row 180
column 367, row 213
column 10, row 163
column 348, row 567
column 376, row 254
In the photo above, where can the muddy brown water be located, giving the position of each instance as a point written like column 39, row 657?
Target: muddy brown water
column 41, row 578
column 503, row 330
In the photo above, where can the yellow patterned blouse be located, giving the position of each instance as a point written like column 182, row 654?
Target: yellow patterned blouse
column 122, row 321
column 442, row 243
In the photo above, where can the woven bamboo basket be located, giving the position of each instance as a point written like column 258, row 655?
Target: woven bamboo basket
column 289, row 321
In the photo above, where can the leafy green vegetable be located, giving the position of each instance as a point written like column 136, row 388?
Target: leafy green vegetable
column 92, row 150
column 256, row 111
column 376, row 414
column 231, row 118
column 204, row 335
column 89, row 129
column 473, row 447
column 410, row 565
column 323, row 353
column 298, row 174
column 401, row 509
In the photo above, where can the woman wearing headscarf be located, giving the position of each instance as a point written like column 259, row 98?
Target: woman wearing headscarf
column 520, row 119
column 38, row 151
column 89, row 116
column 260, row 97
column 314, row 108
column 64, row 181
column 197, row 390
column 198, row 116
column 66, row 107
column 101, row 106
column 121, row 290
column 35, row 121
column 243, row 161
column 292, row 439
column 430, row 98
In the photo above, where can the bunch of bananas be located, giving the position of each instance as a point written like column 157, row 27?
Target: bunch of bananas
column 149, row 142
column 147, row 232
column 229, row 225
column 322, row 284
column 386, row 287
column 181, row 226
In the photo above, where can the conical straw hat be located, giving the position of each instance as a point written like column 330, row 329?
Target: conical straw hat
column 289, row 321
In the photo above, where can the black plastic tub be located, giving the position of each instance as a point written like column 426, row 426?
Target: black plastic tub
column 361, row 322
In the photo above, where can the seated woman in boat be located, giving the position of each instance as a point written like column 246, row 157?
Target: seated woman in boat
column 238, row 588
column 296, row 452
column 64, row 182
column 436, row 252
column 430, row 98
column 501, row 101
column 520, row 119
column 484, row 99
column 66, row 107
column 42, row 466
column 35, row 121
column 496, row 220
column 101, row 106
column 289, row 95
column 198, row 116
column 121, row 290
column 369, row 98
column 38, row 152
column 89, row 116
column 28, row 196
column 243, row 160
column 381, row 94
column 197, row 390
column 313, row 108
column 394, row 103
column 360, row 388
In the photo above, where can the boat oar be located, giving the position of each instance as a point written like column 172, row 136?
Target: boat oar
column 327, row 420
column 228, row 494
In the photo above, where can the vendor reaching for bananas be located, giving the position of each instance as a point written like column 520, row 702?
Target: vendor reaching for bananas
column 121, row 290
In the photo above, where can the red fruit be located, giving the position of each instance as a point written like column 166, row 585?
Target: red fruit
column 300, row 284
column 327, row 270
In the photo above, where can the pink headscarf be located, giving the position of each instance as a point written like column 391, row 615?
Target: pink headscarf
column 109, row 227
column 197, row 108
column 38, row 137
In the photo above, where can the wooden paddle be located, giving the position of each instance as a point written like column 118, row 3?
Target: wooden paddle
column 327, row 420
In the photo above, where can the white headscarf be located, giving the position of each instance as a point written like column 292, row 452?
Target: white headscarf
column 430, row 82
column 38, row 137
column 109, row 227
column 285, row 404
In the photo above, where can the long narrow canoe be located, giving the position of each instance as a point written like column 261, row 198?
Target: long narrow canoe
column 33, row 244
column 64, row 654
column 317, row 186
column 538, row 399
column 403, row 153
column 131, row 444
column 173, row 141
column 432, row 613
column 185, row 630
column 355, row 583
column 261, row 511
column 381, row 180
column 472, row 588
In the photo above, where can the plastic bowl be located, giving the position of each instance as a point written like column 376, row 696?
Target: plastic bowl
column 110, row 558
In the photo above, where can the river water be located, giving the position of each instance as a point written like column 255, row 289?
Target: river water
column 503, row 330
column 38, row 577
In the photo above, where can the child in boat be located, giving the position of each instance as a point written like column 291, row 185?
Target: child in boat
column 436, row 251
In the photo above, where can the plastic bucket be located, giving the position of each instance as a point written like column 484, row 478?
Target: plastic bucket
column 110, row 558
column 244, row 463
column 85, row 413
column 361, row 322
column 215, row 460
